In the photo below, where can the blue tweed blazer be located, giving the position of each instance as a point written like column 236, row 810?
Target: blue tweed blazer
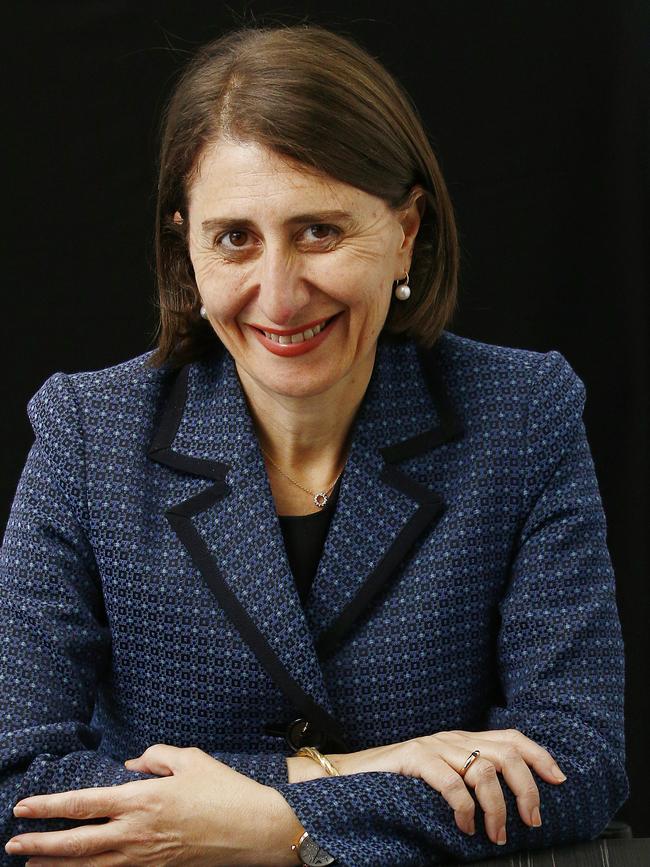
column 465, row 583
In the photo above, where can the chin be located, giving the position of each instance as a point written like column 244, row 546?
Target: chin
column 297, row 385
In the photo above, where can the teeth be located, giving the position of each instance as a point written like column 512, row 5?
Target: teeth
column 285, row 340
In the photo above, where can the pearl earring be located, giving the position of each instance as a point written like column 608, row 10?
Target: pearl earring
column 204, row 313
column 404, row 291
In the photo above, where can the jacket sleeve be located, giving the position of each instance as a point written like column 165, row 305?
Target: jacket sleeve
column 561, row 664
column 55, row 642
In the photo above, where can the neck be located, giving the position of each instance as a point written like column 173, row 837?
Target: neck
column 308, row 437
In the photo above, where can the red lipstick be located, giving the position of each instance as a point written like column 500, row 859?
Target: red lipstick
column 290, row 349
column 289, row 331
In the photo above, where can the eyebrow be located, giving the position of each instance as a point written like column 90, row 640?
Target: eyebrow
column 313, row 217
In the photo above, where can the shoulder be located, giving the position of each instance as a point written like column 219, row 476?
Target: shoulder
column 484, row 382
column 84, row 399
column 495, row 373
column 496, row 390
column 474, row 357
column 532, row 400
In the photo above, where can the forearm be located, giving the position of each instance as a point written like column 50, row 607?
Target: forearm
column 281, row 828
column 393, row 820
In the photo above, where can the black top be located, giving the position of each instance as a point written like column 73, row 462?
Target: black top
column 304, row 538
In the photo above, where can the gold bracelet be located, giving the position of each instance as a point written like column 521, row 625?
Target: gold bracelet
column 312, row 753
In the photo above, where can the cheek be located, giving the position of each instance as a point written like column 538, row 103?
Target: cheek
column 378, row 304
column 361, row 284
column 374, row 296
column 207, row 272
column 222, row 289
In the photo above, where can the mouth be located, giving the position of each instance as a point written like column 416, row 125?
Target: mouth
column 295, row 336
column 289, row 344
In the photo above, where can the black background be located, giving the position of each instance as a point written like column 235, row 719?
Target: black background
column 538, row 112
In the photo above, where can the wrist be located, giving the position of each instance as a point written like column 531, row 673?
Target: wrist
column 343, row 762
column 302, row 768
column 280, row 828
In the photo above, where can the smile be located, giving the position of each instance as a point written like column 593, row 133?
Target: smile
column 297, row 336
column 293, row 343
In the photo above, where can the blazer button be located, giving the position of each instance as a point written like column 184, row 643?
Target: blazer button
column 302, row 733
column 299, row 733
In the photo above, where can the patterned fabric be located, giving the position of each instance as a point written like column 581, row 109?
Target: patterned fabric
column 465, row 583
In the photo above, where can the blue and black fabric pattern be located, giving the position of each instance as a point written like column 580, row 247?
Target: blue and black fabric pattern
column 465, row 583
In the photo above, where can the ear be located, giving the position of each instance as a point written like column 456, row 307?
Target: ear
column 177, row 218
column 411, row 216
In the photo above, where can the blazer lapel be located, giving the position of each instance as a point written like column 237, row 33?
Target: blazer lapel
column 381, row 510
column 231, row 530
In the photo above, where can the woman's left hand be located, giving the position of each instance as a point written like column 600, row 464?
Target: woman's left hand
column 202, row 813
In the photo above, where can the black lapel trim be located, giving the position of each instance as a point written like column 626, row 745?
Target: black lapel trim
column 160, row 449
column 450, row 426
column 431, row 506
column 428, row 513
column 180, row 519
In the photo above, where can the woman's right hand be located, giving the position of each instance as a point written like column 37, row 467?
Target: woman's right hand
column 437, row 758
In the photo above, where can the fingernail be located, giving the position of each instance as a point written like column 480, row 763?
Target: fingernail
column 557, row 773
column 535, row 817
column 11, row 847
column 22, row 811
column 501, row 837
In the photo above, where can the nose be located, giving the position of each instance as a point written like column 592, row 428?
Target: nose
column 282, row 294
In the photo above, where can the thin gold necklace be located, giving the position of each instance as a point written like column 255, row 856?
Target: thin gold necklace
column 320, row 497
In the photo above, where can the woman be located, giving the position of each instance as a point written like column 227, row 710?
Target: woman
column 317, row 581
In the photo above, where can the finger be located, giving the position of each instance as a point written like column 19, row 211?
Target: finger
column 533, row 753
column 80, row 842
column 77, row 804
column 147, row 766
column 440, row 776
column 106, row 859
column 507, row 759
column 517, row 775
column 164, row 759
column 482, row 777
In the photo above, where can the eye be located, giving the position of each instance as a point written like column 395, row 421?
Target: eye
column 320, row 226
column 233, row 233
column 239, row 235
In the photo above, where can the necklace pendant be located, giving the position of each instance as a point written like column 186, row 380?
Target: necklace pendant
column 320, row 499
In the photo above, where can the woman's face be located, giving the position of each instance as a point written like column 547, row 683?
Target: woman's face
column 269, row 254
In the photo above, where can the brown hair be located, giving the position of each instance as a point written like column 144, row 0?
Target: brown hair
column 317, row 97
